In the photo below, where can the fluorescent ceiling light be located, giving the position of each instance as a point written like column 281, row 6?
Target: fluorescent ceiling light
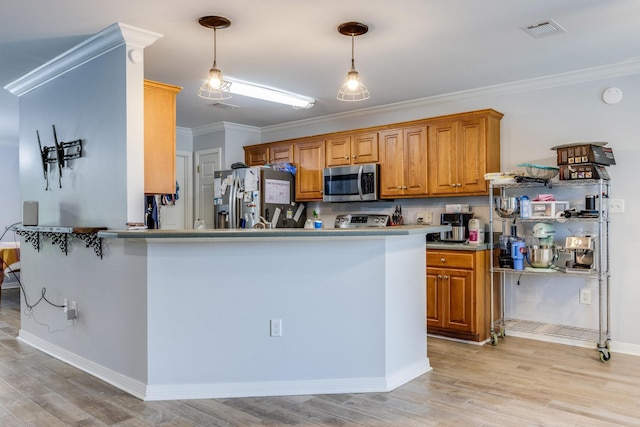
column 252, row 90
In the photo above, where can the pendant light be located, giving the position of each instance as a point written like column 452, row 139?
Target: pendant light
column 353, row 89
column 215, row 87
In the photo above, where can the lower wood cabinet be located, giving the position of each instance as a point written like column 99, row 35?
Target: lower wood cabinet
column 458, row 294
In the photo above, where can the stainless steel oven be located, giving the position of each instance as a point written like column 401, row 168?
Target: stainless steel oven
column 357, row 183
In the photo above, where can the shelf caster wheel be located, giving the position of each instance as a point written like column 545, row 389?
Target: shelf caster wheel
column 494, row 339
column 605, row 356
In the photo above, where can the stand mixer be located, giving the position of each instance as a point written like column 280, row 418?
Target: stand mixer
column 543, row 253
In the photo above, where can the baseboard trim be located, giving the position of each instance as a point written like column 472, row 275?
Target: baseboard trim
column 287, row 388
column 227, row 390
column 616, row 347
column 133, row 387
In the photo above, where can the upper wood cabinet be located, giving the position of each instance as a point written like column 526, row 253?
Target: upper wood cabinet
column 310, row 161
column 281, row 153
column 461, row 151
column 434, row 157
column 403, row 162
column 159, row 137
column 352, row 149
column 258, row 155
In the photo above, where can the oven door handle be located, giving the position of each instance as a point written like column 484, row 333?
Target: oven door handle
column 360, row 182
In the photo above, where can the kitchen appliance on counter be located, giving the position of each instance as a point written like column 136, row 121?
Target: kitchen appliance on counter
column 542, row 253
column 361, row 220
column 357, row 183
column 581, row 252
column 459, row 223
column 505, row 260
column 245, row 197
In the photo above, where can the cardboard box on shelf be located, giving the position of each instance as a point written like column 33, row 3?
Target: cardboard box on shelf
column 582, row 153
column 585, row 171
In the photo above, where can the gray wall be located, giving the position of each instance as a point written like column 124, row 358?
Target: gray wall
column 537, row 116
column 94, row 102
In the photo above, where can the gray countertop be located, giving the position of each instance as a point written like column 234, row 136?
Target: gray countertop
column 252, row 233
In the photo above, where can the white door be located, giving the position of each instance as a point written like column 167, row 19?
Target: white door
column 179, row 216
column 207, row 162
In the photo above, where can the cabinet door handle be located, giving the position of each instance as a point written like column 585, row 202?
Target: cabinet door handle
column 459, row 185
column 404, row 187
column 347, row 157
column 442, row 260
column 439, row 276
column 446, row 277
column 453, row 185
column 354, row 156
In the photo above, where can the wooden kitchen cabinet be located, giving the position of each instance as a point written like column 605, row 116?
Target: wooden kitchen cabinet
column 461, row 150
column 352, row 149
column 433, row 157
column 258, row 155
column 310, row 161
column 403, row 162
column 159, row 137
column 458, row 294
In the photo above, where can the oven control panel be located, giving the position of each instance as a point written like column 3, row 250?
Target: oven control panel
column 361, row 220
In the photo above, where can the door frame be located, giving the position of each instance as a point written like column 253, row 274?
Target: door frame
column 188, row 203
column 198, row 191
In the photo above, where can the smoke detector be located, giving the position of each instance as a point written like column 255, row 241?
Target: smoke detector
column 544, row 29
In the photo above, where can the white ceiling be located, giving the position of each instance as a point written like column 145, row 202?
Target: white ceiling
column 414, row 48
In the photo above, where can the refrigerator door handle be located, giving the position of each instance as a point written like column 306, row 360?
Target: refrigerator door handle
column 360, row 169
column 232, row 201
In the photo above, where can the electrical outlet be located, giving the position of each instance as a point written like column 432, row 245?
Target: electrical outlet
column 425, row 217
column 585, row 296
column 616, row 205
column 428, row 216
column 276, row 327
column 72, row 311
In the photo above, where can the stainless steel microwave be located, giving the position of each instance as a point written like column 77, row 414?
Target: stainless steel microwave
column 357, row 183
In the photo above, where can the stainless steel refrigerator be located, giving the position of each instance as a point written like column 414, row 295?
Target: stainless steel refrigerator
column 246, row 196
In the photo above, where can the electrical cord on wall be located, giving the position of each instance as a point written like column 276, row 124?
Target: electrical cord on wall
column 29, row 307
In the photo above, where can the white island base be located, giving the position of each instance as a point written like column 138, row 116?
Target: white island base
column 351, row 305
column 352, row 312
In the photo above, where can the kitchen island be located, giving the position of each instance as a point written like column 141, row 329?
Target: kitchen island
column 275, row 312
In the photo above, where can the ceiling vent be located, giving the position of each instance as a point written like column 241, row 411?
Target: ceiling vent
column 224, row 106
column 544, row 29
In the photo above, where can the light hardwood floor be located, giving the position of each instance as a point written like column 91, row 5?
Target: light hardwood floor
column 520, row 382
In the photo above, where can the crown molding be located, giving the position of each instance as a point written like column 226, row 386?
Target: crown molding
column 223, row 126
column 621, row 69
column 184, row 131
column 110, row 38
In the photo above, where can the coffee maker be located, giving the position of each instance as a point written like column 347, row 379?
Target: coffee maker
column 581, row 251
column 459, row 223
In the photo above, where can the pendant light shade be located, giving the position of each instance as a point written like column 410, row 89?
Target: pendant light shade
column 214, row 87
column 353, row 89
